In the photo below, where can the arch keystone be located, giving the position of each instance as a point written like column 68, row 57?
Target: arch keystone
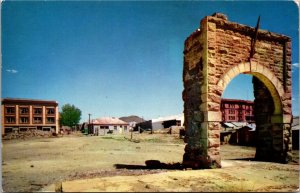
column 253, row 66
column 241, row 67
column 247, row 67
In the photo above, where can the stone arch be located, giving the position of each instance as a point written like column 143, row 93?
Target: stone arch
column 263, row 74
column 213, row 55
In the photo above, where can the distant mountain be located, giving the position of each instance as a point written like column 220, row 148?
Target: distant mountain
column 132, row 118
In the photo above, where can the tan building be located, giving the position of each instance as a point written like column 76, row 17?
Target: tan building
column 19, row 115
column 105, row 125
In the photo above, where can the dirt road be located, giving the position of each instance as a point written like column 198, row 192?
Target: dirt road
column 37, row 164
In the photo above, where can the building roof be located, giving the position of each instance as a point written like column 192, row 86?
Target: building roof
column 239, row 124
column 236, row 101
column 251, row 126
column 27, row 101
column 108, row 121
column 171, row 117
column 132, row 118
column 229, row 125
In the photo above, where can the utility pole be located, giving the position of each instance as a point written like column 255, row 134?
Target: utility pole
column 89, row 122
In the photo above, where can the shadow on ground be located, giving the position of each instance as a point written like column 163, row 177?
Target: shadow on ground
column 244, row 159
column 151, row 165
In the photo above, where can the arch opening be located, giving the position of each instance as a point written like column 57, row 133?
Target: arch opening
column 237, row 126
column 249, row 121
column 268, row 114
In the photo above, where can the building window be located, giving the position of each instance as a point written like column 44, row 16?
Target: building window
column 23, row 129
column 50, row 111
column 115, row 127
column 37, row 119
column 10, row 110
column 10, row 120
column 37, row 111
column 231, row 111
column 46, row 128
column 24, row 110
column 24, row 120
column 232, row 118
column 8, row 130
column 125, row 128
column 50, row 119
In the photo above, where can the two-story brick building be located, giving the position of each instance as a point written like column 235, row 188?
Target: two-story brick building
column 235, row 110
column 19, row 115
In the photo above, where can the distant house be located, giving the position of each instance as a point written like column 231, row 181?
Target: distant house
column 108, row 125
column 161, row 123
column 239, row 133
column 168, row 121
column 142, row 126
column 132, row 120
column 244, row 135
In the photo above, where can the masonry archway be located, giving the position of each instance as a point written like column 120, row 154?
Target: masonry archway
column 268, row 106
column 213, row 56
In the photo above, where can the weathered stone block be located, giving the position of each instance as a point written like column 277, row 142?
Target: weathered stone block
column 223, row 50
column 198, row 116
column 214, row 134
column 211, row 106
column 212, row 116
column 214, row 98
column 236, row 39
column 213, row 142
column 212, row 27
column 214, row 126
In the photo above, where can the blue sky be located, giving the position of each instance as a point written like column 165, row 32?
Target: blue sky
column 121, row 58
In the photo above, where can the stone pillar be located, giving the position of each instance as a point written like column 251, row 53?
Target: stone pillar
column 273, row 137
column 263, row 109
column 201, row 105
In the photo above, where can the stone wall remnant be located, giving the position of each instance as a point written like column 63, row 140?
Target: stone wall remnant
column 213, row 55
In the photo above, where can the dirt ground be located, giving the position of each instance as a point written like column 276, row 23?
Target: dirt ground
column 113, row 163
